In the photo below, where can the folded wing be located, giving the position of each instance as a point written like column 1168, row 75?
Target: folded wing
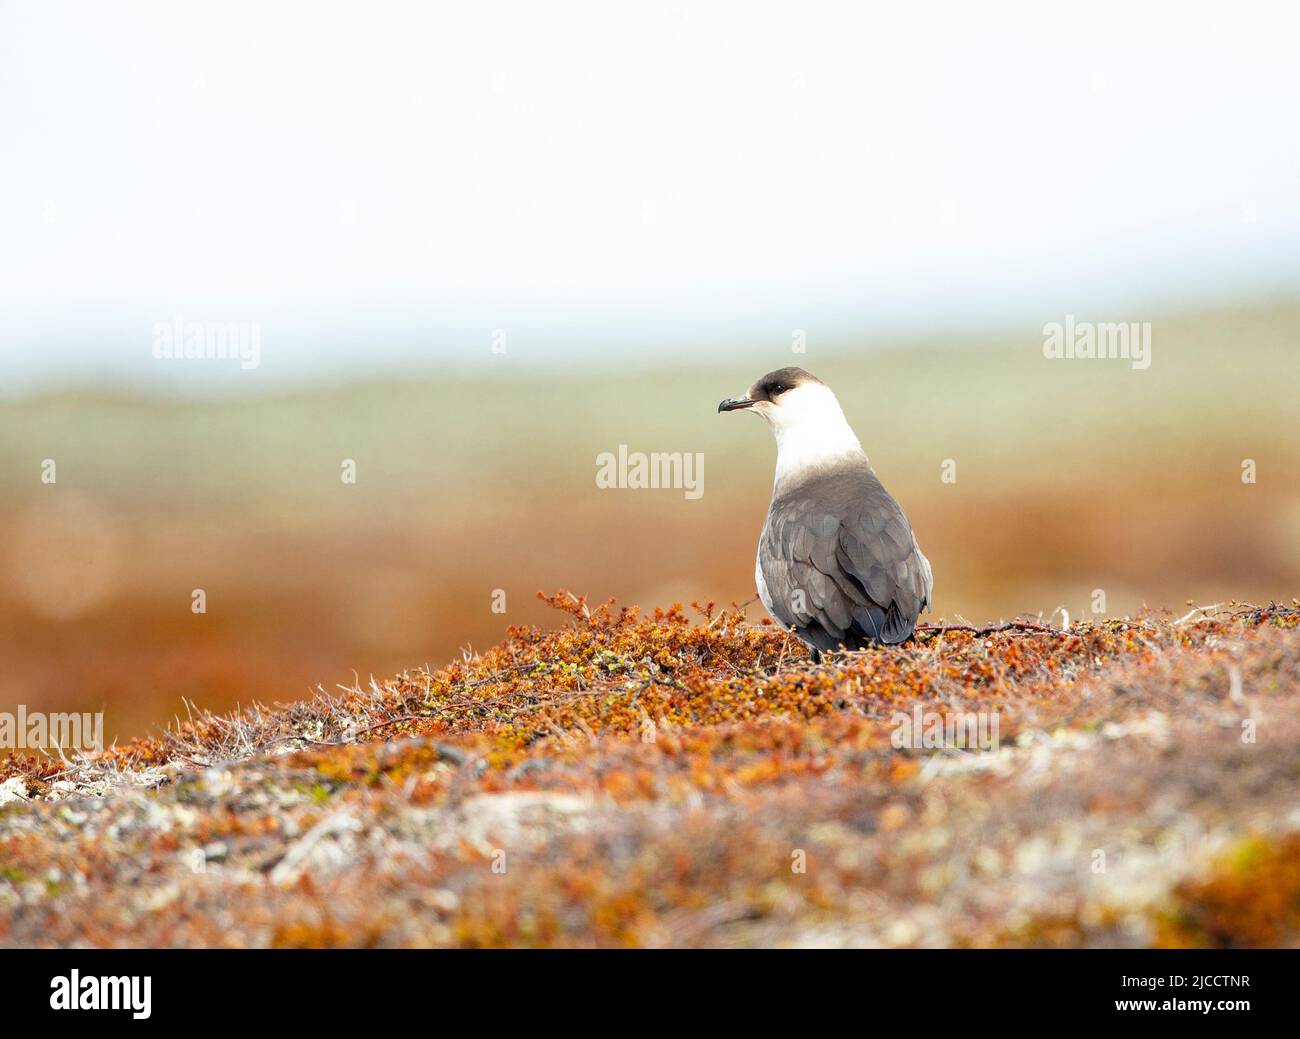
column 841, row 565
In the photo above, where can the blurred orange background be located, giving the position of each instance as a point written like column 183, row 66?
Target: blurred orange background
column 1072, row 477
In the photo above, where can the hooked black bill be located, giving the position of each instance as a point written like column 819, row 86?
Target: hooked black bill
column 736, row 403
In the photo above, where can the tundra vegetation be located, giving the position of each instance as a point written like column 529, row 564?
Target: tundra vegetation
column 691, row 778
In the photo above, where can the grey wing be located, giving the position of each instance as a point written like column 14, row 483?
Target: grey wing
column 878, row 552
column 843, row 568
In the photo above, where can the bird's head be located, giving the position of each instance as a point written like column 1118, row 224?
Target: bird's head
column 786, row 397
column 806, row 418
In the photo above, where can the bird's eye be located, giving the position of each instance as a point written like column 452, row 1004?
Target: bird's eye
column 778, row 387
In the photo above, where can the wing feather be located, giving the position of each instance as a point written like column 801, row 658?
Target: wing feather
column 841, row 564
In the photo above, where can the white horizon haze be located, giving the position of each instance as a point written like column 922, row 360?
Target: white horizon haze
column 383, row 186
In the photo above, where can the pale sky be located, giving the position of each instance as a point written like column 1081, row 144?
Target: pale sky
column 383, row 184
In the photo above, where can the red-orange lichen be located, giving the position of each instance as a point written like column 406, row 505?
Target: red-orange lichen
column 1250, row 899
column 644, row 779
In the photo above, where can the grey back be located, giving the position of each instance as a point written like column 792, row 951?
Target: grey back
column 840, row 563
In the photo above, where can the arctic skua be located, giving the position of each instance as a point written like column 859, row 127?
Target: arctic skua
column 838, row 564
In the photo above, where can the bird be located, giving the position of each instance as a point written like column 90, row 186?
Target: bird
column 838, row 565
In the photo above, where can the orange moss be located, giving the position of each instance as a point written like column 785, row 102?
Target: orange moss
column 676, row 766
column 1251, row 899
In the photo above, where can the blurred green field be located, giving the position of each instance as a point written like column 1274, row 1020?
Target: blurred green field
column 1071, row 476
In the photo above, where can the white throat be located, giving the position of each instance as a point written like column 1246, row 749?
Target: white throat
column 811, row 432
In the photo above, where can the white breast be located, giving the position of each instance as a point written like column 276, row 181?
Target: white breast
column 811, row 433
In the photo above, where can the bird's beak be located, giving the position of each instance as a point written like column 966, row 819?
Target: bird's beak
column 735, row 404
